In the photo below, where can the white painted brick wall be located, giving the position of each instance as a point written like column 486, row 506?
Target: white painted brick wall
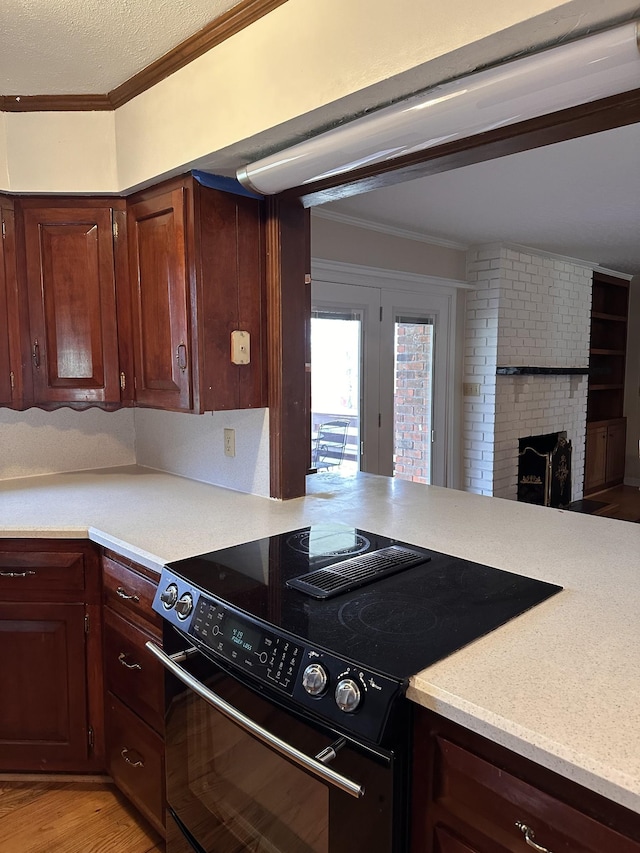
column 526, row 310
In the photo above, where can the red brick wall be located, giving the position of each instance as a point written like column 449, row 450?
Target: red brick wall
column 413, row 402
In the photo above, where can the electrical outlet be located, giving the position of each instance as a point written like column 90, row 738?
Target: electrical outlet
column 470, row 389
column 229, row 442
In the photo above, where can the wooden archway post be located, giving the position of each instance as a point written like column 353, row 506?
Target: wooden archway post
column 288, row 283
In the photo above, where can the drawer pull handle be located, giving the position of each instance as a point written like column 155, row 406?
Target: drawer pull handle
column 124, row 594
column 123, row 660
column 16, row 574
column 529, row 835
column 125, row 754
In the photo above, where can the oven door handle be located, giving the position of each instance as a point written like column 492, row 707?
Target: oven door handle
column 249, row 725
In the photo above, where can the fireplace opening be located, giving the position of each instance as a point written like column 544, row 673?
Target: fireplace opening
column 544, row 470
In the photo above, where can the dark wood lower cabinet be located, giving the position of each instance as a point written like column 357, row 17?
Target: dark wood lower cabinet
column 43, row 712
column 472, row 796
column 51, row 706
column 135, row 759
column 134, row 685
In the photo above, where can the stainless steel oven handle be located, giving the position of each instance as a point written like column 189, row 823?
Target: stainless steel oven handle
column 281, row 746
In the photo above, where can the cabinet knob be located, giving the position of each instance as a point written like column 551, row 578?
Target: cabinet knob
column 35, row 353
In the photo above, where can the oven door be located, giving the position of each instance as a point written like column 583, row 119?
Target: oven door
column 243, row 774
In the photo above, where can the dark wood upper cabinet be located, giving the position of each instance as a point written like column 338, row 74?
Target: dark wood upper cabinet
column 70, row 281
column 10, row 371
column 158, row 270
column 197, row 275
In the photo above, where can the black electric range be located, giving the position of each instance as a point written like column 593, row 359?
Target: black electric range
column 334, row 619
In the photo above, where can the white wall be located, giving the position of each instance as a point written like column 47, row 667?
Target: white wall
column 36, row 442
column 60, row 152
column 192, row 445
column 351, row 244
column 4, row 162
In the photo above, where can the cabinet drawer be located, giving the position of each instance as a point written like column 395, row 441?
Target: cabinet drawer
column 51, row 573
column 135, row 760
column 132, row 673
column 490, row 802
column 129, row 593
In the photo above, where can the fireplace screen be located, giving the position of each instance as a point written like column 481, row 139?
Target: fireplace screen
column 544, row 470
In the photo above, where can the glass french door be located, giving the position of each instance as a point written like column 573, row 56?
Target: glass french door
column 380, row 359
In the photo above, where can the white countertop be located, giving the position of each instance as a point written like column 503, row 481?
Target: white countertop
column 560, row 684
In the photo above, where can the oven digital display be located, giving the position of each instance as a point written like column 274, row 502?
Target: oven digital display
column 241, row 635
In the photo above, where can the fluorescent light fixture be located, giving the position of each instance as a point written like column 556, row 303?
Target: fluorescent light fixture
column 574, row 73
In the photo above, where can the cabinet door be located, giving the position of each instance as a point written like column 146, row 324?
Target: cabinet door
column 43, row 712
column 158, row 270
column 616, row 442
column 72, row 305
column 595, row 458
column 10, row 374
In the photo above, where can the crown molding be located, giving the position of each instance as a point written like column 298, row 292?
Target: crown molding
column 341, row 272
column 245, row 13
column 382, row 228
column 54, row 103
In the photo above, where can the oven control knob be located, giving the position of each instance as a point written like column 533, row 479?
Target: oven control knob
column 184, row 606
column 348, row 695
column 315, row 679
column 169, row 596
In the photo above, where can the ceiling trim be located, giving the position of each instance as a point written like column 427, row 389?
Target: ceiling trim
column 341, row 272
column 382, row 228
column 245, row 13
column 54, row 103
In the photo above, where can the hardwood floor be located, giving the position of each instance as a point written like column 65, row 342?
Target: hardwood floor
column 71, row 817
column 622, row 502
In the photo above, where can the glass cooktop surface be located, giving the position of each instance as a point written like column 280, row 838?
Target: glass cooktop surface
column 397, row 623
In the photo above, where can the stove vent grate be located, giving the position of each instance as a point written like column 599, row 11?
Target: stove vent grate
column 357, row 571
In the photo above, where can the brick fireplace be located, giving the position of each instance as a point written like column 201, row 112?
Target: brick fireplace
column 527, row 310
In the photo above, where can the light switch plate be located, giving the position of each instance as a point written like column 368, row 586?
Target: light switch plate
column 470, row 389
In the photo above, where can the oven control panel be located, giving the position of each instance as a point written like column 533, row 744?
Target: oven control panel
column 324, row 684
column 240, row 641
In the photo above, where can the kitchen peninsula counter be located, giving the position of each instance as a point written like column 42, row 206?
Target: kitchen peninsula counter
column 560, row 684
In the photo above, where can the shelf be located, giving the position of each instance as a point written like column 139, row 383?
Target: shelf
column 614, row 318
column 606, row 351
column 605, row 388
column 542, row 371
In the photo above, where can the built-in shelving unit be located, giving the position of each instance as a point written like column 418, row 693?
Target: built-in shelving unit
column 606, row 425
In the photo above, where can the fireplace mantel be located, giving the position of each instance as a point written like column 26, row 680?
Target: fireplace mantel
column 542, row 371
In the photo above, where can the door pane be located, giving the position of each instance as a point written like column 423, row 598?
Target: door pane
column 335, row 390
column 413, row 398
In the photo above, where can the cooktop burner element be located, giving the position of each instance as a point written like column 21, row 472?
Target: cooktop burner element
column 328, row 540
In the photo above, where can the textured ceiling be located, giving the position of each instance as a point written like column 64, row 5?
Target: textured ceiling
column 63, row 47
column 579, row 198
